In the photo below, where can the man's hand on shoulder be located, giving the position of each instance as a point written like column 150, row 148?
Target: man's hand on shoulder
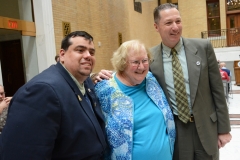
column 103, row 74
column 7, row 99
column 223, row 139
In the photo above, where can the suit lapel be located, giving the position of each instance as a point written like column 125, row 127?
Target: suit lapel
column 194, row 70
column 83, row 103
column 93, row 99
column 194, row 63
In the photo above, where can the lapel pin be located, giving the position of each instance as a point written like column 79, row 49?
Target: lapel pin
column 79, row 98
column 198, row 63
column 89, row 90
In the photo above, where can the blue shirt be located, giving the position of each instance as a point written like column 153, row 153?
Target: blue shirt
column 150, row 140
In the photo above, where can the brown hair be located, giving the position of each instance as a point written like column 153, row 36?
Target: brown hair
column 157, row 10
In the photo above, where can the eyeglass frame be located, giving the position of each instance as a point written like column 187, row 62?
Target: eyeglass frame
column 136, row 63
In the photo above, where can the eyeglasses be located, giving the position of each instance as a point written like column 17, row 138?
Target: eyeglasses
column 137, row 63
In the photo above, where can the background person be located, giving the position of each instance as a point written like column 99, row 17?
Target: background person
column 223, row 68
column 56, row 115
column 224, row 75
column 139, row 122
column 225, row 79
column 4, row 102
column 57, row 58
column 208, row 126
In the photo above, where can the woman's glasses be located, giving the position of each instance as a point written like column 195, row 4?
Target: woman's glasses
column 137, row 63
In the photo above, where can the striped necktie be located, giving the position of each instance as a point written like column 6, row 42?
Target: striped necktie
column 180, row 88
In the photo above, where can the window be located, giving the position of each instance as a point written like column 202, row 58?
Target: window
column 66, row 28
column 119, row 39
column 137, row 6
column 233, row 5
column 213, row 18
column 232, row 22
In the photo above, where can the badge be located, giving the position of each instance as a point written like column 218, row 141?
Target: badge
column 79, row 98
column 198, row 63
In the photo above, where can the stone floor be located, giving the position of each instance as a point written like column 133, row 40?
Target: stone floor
column 232, row 150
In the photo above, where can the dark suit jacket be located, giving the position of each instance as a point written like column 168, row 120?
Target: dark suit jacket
column 206, row 90
column 50, row 119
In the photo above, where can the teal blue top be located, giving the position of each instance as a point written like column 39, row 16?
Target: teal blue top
column 119, row 113
column 150, row 140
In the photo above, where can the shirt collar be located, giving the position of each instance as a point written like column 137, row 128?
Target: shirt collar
column 80, row 86
column 167, row 50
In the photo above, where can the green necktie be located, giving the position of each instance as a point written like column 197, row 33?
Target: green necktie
column 180, row 88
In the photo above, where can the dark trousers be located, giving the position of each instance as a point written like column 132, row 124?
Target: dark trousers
column 188, row 145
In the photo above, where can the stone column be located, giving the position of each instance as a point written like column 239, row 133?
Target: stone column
column 45, row 39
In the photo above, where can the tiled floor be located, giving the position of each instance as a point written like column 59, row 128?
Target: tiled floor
column 232, row 150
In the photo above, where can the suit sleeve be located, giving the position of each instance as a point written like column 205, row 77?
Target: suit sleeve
column 32, row 124
column 217, row 90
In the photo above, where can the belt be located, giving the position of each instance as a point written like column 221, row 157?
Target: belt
column 191, row 118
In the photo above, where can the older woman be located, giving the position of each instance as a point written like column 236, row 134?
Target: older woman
column 139, row 122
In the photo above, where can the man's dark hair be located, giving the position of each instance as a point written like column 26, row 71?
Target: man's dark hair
column 66, row 43
column 157, row 10
column 56, row 58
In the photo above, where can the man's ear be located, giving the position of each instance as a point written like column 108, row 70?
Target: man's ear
column 62, row 55
column 156, row 27
column 61, row 52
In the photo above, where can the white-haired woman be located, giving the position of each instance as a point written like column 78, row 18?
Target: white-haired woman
column 139, row 121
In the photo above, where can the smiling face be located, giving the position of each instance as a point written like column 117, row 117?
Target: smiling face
column 137, row 67
column 79, row 58
column 169, row 26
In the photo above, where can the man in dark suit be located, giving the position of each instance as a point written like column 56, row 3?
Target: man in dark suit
column 56, row 115
column 207, row 127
